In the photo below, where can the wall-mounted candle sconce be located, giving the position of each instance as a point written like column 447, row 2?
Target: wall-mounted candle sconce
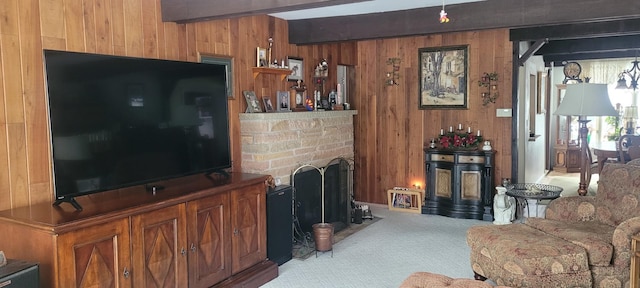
column 394, row 74
column 489, row 81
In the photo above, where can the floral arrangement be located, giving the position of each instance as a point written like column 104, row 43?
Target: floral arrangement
column 459, row 140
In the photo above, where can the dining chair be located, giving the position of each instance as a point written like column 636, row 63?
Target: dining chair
column 628, row 147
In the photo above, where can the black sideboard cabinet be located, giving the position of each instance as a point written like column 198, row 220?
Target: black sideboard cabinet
column 19, row 274
column 459, row 183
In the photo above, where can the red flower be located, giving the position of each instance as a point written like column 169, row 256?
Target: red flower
column 457, row 141
column 444, row 141
column 471, row 138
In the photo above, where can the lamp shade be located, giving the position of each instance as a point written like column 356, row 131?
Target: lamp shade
column 586, row 99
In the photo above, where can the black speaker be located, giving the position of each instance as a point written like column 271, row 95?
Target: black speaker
column 19, row 274
column 280, row 224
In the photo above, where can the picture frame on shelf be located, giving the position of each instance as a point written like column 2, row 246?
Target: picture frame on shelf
column 268, row 105
column 253, row 105
column 297, row 68
column 261, row 57
column 283, row 101
column 443, row 73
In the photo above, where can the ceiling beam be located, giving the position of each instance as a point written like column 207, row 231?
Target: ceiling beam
column 603, row 28
column 464, row 17
column 557, row 59
column 535, row 47
column 183, row 11
column 591, row 45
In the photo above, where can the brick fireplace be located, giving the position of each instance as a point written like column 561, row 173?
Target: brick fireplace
column 278, row 143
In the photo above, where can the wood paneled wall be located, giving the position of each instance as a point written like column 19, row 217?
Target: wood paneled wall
column 390, row 130
column 116, row 27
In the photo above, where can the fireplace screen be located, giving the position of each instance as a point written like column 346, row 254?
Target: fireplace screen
column 308, row 182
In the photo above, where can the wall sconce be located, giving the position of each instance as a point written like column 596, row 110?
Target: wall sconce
column 394, row 74
column 489, row 81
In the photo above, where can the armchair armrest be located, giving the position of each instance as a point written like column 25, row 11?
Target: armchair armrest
column 622, row 241
column 573, row 208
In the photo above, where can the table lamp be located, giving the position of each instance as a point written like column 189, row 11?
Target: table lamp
column 582, row 100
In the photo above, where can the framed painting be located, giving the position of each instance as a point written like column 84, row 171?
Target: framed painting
column 295, row 64
column 443, row 73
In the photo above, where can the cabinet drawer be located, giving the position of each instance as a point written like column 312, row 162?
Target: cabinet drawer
column 439, row 157
column 471, row 159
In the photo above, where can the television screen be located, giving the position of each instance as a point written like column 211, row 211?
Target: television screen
column 120, row 121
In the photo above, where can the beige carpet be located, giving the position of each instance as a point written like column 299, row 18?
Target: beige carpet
column 304, row 248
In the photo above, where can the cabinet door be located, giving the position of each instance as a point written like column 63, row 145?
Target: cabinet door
column 98, row 256
column 248, row 221
column 159, row 248
column 209, row 239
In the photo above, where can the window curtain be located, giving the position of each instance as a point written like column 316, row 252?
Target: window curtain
column 600, row 71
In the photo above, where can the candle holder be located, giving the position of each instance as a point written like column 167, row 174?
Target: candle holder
column 489, row 81
column 459, row 139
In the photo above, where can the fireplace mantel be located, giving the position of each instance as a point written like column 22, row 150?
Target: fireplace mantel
column 279, row 143
column 297, row 115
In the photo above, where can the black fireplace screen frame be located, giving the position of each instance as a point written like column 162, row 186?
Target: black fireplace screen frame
column 307, row 194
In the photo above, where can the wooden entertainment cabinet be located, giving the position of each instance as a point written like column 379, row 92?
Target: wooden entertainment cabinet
column 196, row 232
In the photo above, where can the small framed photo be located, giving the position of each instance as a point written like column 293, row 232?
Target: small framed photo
column 261, row 57
column 283, row 98
column 297, row 68
column 253, row 105
column 268, row 105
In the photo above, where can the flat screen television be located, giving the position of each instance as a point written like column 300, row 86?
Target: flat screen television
column 121, row 121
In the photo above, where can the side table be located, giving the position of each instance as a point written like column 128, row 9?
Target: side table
column 635, row 262
column 532, row 191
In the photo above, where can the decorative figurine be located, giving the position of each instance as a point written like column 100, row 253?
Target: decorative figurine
column 487, row 146
column 504, row 207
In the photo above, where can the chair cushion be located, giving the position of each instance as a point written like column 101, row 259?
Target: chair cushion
column 512, row 253
column 592, row 236
column 618, row 194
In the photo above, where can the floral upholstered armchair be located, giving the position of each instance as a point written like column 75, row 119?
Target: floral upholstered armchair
column 603, row 224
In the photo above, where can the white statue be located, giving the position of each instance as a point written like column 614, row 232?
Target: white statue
column 504, row 207
column 487, row 146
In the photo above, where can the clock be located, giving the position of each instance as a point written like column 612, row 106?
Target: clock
column 572, row 72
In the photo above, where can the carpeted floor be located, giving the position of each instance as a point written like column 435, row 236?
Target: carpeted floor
column 569, row 182
column 304, row 247
column 385, row 252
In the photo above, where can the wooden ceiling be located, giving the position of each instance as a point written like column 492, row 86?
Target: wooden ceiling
column 567, row 30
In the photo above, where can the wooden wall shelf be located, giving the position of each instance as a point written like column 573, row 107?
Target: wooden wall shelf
column 283, row 72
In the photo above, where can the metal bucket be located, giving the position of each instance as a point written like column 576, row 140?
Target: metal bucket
column 323, row 236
